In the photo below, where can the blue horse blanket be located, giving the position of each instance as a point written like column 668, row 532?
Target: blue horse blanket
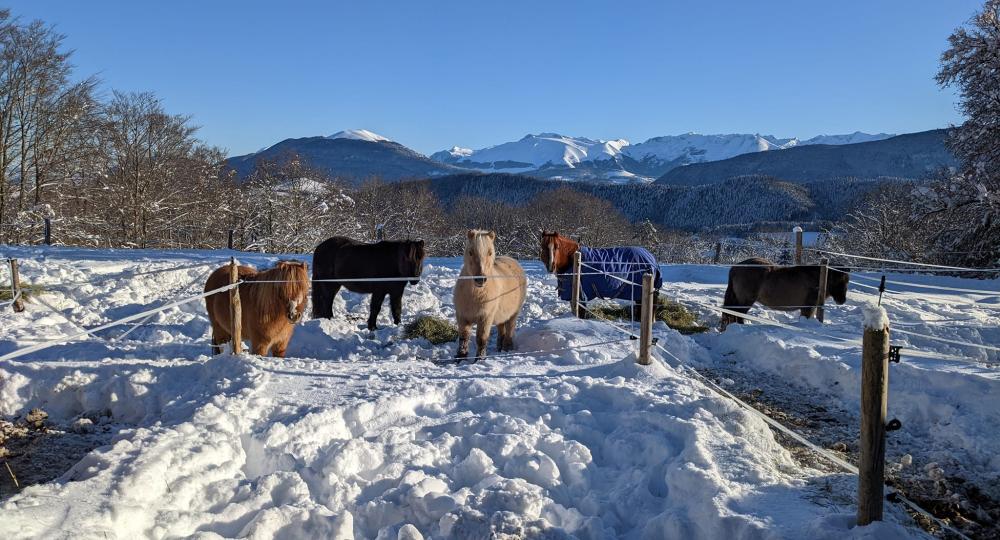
column 627, row 264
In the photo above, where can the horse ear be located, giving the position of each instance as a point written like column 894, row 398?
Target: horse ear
column 420, row 243
column 492, row 235
column 471, row 234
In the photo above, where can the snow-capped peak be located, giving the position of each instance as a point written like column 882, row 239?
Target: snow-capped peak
column 533, row 151
column 358, row 135
column 852, row 138
column 459, row 152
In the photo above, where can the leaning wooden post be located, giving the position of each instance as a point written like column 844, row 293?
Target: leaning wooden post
column 236, row 310
column 646, row 320
column 15, row 287
column 48, row 232
column 574, row 299
column 874, row 400
column 798, row 244
column 718, row 253
column 232, row 233
column 821, row 293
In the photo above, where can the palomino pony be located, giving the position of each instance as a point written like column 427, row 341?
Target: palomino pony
column 272, row 301
column 607, row 272
column 787, row 288
column 343, row 258
column 493, row 297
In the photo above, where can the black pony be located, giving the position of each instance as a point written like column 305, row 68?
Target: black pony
column 343, row 258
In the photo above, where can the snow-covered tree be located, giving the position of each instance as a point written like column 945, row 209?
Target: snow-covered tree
column 968, row 204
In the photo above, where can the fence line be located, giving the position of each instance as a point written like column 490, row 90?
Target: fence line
column 946, row 340
column 145, row 320
column 923, row 265
column 125, row 275
column 6, row 303
column 46, row 344
column 925, row 286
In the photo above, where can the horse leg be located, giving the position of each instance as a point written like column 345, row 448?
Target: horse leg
column 733, row 302
column 396, row 303
column 581, row 310
column 259, row 347
column 483, row 329
column 464, row 334
column 374, row 309
column 322, row 301
column 506, row 338
column 278, row 348
column 219, row 336
column 811, row 296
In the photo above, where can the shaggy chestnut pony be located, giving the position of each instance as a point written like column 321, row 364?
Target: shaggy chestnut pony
column 272, row 302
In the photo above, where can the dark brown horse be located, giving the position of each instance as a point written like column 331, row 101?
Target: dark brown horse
column 272, row 301
column 343, row 258
column 787, row 288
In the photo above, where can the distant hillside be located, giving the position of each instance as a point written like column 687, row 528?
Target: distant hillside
column 349, row 158
column 740, row 201
column 914, row 155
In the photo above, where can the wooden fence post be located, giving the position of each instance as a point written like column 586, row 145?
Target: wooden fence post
column 15, row 287
column 798, row 244
column 874, row 400
column 48, row 232
column 232, row 233
column 821, row 293
column 574, row 302
column 236, row 310
column 718, row 253
column 646, row 320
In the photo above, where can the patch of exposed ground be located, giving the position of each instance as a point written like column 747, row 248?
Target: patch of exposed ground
column 939, row 487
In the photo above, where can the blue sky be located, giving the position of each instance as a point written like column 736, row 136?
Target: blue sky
column 435, row 74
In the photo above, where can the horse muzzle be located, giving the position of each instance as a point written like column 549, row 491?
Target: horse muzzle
column 479, row 281
column 294, row 315
column 414, row 281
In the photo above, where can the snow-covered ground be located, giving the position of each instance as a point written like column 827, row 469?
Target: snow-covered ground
column 363, row 436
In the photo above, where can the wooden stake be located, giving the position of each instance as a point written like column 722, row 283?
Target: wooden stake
column 718, row 253
column 232, row 232
column 11, row 473
column 874, row 403
column 646, row 320
column 48, row 232
column 574, row 302
column 821, row 293
column 798, row 244
column 15, row 287
column 236, row 310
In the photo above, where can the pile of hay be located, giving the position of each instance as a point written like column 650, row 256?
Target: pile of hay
column 28, row 290
column 675, row 315
column 433, row 329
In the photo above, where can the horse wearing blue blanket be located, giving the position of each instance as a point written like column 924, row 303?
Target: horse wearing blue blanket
column 613, row 273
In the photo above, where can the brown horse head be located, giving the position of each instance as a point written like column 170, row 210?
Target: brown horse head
column 836, row 284
column 290, row 293
column 480, row 255
column 557, row 251
column 411, row 259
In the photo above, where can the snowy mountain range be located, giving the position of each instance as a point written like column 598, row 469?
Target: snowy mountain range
column 356, row 154
column 558, row 156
